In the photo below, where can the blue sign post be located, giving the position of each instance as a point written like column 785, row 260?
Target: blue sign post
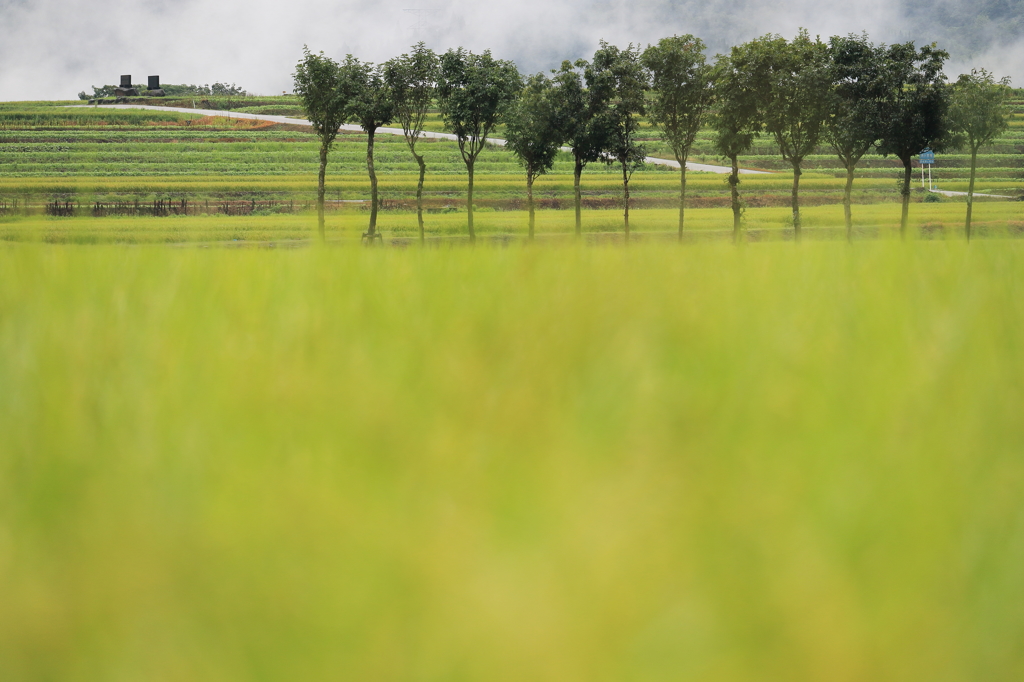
column 926, row 157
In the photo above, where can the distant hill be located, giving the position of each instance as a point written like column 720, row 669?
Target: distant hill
column 965, row 28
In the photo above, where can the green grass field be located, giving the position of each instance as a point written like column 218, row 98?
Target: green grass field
column 993, row 218
column 776, row 462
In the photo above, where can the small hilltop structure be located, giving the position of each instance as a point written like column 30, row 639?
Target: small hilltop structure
column 154, row 89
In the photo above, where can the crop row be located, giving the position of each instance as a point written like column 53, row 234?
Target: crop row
column 761, row 223
column 442, row 157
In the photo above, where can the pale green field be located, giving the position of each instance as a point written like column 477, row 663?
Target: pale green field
column 775, row 462
column 994, row 217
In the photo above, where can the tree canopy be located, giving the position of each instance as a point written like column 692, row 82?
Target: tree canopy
column 412, row 80
column 855, row 114
column 619, row 78
column 792, row 82
column 682, row 91
column 849, row 93
column 533, row 134
column 735, row 117
column 370, row 104
column 914, row 102
column 474, row 92
column 977, row 113
column 582, row 120
column 317, row 81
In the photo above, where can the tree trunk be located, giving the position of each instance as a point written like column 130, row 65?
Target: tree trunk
column 577, row 172
column 682, row 195
column 320, row 189
column 372, row 232
column 529, row 201
column 970, row 191
column 734, row 186
column 906, row 197
column 419, row 195
column 847, row 211
column 469, row 202
column 625, row 201
column 796, row 201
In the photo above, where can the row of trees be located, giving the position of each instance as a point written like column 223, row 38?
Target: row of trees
column 847, row 93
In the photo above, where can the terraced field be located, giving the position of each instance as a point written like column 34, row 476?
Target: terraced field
column 57, row 163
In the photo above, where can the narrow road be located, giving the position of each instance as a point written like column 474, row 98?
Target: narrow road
column 951, row 193
column 700, row 167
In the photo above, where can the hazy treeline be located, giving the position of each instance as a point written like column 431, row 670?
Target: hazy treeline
column 215, row 90
column 847, row 93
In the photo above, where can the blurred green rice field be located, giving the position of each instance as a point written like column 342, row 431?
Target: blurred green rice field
column 349, row 223
column 773, row 462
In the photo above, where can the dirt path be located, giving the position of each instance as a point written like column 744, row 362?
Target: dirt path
column 699, row 167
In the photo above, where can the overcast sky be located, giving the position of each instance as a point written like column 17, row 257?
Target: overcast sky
column 55, row 48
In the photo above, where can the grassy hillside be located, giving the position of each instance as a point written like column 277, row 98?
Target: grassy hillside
column 102, row 163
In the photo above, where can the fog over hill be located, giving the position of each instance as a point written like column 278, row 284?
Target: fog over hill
column 55, row 48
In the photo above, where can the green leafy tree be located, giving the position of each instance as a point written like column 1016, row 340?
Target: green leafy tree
column 977, row 111
column 368, row 103
column 532, row 133
column 734, row 119
column 619, row 77
column 583, row 121
column 474, row 92
column 793, row 84
column 98, row 93
column 855, row 118
column 412, row 79
column 915, row 101
column 682, row 91
column 316, row 80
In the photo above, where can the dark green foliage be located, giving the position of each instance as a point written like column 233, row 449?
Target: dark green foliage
column 914, row 103
column 532, row 133
column 619, row 78
column 682, row 91
column 368, row 100
column 474, row 92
